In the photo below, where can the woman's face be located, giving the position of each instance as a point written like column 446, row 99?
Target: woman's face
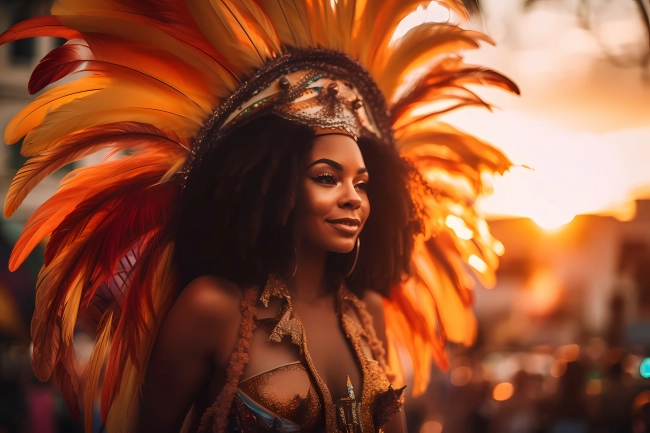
column 335, row 203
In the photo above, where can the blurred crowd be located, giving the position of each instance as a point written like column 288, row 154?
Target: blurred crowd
column 569, row 389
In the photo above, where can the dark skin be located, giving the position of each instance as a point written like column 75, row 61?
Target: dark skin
column 189, row 372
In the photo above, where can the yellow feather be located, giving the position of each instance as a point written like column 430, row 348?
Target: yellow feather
column 257, row 18
column 70, row 310
column 32, row 115
column 377, row 24
column 90, row 378
column 226, row 27
column 290, row 21
column 417, row 48
column 133, row 99
column 214, row 71
column 456, row 318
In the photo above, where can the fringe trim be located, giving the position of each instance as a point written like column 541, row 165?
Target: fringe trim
column 376, row 345
column 215, row 418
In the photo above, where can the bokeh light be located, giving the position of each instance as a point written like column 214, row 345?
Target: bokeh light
column 644, row 368
column 502, row 391
column 460, row 376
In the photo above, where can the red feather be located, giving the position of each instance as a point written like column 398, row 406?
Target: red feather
column 39, row 26
column 68, row 382
column 76, row 187
column 88, row 245
column 59, row 63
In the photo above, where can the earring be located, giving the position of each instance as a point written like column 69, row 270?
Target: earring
column 295, row 264
column 356, row 257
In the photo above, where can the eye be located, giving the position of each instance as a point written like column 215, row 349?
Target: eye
column 363, row 186
column 325, row 178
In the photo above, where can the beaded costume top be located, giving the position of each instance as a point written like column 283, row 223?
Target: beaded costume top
column 261, row 407
column 156, row 81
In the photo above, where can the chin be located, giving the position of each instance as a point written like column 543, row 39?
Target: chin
column 343, row 247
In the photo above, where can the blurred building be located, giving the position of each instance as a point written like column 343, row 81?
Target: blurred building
column 590, row 277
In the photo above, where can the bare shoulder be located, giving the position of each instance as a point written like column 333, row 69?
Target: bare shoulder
column 208, row 310
column 211, row 297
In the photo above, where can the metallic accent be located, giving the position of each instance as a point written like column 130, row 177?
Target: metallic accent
column 288, row 324
column 348, row 416
column 356, row 257
column 275, row 286
column 333, row 88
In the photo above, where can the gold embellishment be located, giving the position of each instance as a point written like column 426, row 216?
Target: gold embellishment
column 288, row 325
column 275, row 287
column 348, row 412
column 349, row 415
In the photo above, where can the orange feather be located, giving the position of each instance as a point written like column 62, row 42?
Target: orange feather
column 39, row 26
column 119, row 136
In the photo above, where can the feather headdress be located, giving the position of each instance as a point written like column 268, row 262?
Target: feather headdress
column 146, row 75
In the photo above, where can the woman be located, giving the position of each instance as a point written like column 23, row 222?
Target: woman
column 222, row 258
column 330, row 178
column 333, row 190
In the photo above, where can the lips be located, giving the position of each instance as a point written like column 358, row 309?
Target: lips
column 346, row 225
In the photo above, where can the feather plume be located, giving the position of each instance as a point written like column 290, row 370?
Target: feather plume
column 134, row 347
column 39, row 26
column 119, row 136
column 59, row 63
column 290, row 21
column 93, row 370
column 79, row 185
column 32, row 115
column 377, row 21
column 410, row 52
column 144, row 77
column 224, row 24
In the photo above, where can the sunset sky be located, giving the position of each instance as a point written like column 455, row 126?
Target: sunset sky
column 582, row 123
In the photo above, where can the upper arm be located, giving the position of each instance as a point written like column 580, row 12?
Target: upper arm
column 197, row 334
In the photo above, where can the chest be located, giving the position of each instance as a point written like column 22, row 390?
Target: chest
column 326, row 344
column 310, row 369
column 332, row 353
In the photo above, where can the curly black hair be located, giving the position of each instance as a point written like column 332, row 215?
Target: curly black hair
column 237, row 213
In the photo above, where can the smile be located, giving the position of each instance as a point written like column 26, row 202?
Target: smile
column 346, row 225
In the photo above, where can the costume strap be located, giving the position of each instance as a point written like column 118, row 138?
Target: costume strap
column 215, row 418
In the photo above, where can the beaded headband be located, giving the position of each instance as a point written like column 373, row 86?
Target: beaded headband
column 322, row 102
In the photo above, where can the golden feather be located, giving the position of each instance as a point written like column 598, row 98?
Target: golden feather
column 151, row 77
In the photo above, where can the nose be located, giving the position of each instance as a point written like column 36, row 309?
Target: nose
column 349, row 197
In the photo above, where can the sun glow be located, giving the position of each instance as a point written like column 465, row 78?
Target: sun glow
column 477, row 263
column 459, row 227
column 434, row 12
column 560, row 173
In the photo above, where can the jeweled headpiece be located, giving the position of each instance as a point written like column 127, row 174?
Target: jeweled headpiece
column 153, row 78
column 316, row 87
column 316, row 93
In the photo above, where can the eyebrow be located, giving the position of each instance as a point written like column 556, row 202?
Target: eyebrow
column 335, row 165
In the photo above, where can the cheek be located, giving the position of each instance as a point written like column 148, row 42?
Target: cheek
column 317, row 201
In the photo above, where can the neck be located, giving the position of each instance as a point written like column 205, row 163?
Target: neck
column 308, row 284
